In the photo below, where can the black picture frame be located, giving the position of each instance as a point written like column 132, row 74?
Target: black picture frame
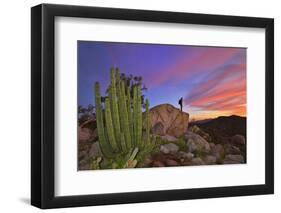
column 43, row 117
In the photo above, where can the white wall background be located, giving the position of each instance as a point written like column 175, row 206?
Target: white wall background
column 15, row 105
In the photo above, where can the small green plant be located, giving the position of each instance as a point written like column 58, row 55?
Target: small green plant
column 200, row 153
column 95, row 164
column 182, row 144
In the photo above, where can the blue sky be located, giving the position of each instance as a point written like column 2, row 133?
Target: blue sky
column 208, row 78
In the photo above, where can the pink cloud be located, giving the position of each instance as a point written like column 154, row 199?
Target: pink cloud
column 224, row 92
column 209, row 58
column 213, row 81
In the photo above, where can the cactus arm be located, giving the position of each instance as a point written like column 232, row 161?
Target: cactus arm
column 109, row 126
column 129, row 109
column 114, row 109
column 126, row 127
column 100, row 125
column 132, row 162
column 139, row 117
column 134, row 116
column 123, row 142
column 134, row 154
column 118, row 93
column 147, row 121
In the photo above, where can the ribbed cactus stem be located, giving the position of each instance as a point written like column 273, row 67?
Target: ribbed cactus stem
column 134, row 121
column 105, row 148
column 114, row 109
column 129, row 109
column 139, row 117
column 147, row 121
column 123, row 142
column 109, row 126
column 118, row 93
column 126, row 127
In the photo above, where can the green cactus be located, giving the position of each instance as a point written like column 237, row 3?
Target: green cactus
column 118, row 93
column 119, row 123
column 147, row 122
column 126, row 127
column 123, row 142
column 139, row 117
column 109, row 126
column 129, row 109
column 95, row 164
column 132, row 162
column 114, row 109
column 105, row 148
column 135, row 123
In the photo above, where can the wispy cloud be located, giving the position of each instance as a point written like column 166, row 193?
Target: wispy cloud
column 198, row 61
column 222, row 89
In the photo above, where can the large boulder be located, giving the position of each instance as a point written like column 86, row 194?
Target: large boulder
column 196, row 144
column 158, row 129
column 166, row 119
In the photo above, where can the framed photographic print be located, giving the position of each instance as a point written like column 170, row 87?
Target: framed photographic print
column 139, row 106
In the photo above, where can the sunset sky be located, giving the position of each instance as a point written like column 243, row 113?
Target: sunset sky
column 211, row 80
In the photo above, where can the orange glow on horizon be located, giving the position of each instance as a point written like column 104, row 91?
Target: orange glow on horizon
column 239, row 111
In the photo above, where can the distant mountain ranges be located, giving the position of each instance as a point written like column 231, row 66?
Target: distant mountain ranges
column 222, row 127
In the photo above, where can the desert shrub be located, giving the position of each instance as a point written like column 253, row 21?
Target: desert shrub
column 182, row 144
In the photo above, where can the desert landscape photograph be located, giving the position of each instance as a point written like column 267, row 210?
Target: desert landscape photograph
column 160, row 105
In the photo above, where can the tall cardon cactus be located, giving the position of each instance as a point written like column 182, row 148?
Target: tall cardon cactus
column 119, row 121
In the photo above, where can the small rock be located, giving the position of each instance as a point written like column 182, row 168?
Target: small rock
column 86, row 135
column 169, row 148
column 197, row 130
column 94, row 150
column 194, row 129
column 170, row 162
column 169, row 138
column 232, row 159
column 238, row 140
column 84, row 164
column 157, row 164
column 147, row 161
column 85, row 167
column 210, row 160
column 230, row 149
column 218, row 151
column 185, row 155
column 197, row 161
column 82, row 154
column 212, row 145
